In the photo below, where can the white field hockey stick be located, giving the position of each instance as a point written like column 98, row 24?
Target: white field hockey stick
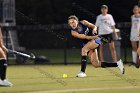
column 32, row 56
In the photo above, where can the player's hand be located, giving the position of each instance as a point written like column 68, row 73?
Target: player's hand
column 94, row 31
column 95, row 37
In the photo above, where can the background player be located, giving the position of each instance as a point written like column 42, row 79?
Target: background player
column 84, row 31
column 134, row 35
column 3, row 63
column 106, row 28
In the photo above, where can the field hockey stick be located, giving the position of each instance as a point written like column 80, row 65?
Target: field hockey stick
column 106, row 40
column 103, row 40
column 32, row 56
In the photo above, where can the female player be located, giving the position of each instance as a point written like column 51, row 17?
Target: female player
column 106, row 25
column 3, row 63
column 135, row 28
column 84, row 31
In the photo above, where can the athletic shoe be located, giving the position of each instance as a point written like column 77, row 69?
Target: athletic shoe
column 81, row 74
column 120, row 66
column 5, row 83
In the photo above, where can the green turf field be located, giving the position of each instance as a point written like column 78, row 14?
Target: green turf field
column 48, row 79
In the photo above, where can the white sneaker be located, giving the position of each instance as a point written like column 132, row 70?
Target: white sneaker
column 81, row 74
column 5, row 83
column 120, row 66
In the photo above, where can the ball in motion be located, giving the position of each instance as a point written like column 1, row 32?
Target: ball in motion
column 65, row 75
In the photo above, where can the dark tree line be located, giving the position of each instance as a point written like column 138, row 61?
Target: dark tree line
column 57, row 11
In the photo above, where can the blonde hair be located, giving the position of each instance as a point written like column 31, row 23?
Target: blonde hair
column 136, row 6
column 73, row 17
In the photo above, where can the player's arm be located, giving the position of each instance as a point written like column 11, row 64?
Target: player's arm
column 90, row 25
column 113, row 26
column 1, row 42
column 115, row 33
column 82, row 36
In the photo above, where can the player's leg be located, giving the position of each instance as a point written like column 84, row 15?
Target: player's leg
column 89, row 46
column 3, row 67
column 114, row 57
column 93, row 55
column 113, row 51
column 101, row 48
column 96, row 63
column 138, row 51
column 134, row 51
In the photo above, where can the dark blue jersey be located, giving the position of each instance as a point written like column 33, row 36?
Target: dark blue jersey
column 83, row 29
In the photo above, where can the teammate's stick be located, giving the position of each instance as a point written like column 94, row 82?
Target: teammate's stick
column 32, row 56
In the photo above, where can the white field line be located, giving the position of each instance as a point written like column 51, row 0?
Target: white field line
column 85, row 89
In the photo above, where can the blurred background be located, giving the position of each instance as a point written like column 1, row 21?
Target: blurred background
column 40, row 27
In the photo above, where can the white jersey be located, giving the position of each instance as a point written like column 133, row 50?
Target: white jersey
column 135, row 28
column 105, row 23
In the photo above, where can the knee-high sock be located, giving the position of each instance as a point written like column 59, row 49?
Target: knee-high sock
column 83, row 63
column 134, row 55
column 3, row 66
column 107, row 64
